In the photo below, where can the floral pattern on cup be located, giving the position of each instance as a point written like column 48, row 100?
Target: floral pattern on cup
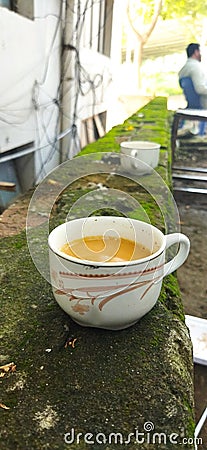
column 75, row 293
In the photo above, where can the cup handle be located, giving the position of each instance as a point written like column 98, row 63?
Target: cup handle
column 183, row 251
column 134, row 153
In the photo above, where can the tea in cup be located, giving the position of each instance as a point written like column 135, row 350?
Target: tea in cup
column 98, row 275
column 105, row 249
column 139, row 156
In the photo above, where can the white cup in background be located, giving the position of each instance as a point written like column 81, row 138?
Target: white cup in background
column 139, row 156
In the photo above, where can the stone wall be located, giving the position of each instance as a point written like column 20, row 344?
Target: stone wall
column 74, row 387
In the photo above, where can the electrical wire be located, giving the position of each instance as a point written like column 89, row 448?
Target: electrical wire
column 85, row 83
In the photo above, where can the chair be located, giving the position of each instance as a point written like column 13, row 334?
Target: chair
column 193, row 111
column 192, row 98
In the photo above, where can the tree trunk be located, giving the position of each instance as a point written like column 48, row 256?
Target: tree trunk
column 142, row 38
column 139, row 62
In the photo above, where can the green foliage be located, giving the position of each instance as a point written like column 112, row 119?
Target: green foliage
column 164, row 83
column 143, row 9
column 182, row 8
column 170, row 10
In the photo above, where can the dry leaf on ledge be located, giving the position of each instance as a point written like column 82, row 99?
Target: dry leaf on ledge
column 3, row 406
column 11, row 367
column 71, row 342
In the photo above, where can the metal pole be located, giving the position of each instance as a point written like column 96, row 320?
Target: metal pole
column 68, row 78
column 201, row 423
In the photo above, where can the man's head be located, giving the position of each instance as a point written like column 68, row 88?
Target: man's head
column 193, row 51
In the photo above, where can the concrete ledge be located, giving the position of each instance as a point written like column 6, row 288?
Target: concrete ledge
column 128, row 389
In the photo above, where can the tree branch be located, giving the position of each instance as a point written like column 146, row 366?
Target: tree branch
column 143, row 38
column 154, row 21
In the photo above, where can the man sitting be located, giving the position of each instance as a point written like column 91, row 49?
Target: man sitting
column 193, row 69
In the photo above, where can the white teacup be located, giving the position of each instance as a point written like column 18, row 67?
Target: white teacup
column 111, row 295
column 139, row 156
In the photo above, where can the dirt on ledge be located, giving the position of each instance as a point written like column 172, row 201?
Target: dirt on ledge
column 191, row 276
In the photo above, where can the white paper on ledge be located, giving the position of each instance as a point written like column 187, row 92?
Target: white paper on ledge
column 198, row 333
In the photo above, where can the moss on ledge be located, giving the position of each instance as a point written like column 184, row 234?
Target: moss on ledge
column 110, row 382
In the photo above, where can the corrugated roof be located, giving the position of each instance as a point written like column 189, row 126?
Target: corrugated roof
column 169, row 36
